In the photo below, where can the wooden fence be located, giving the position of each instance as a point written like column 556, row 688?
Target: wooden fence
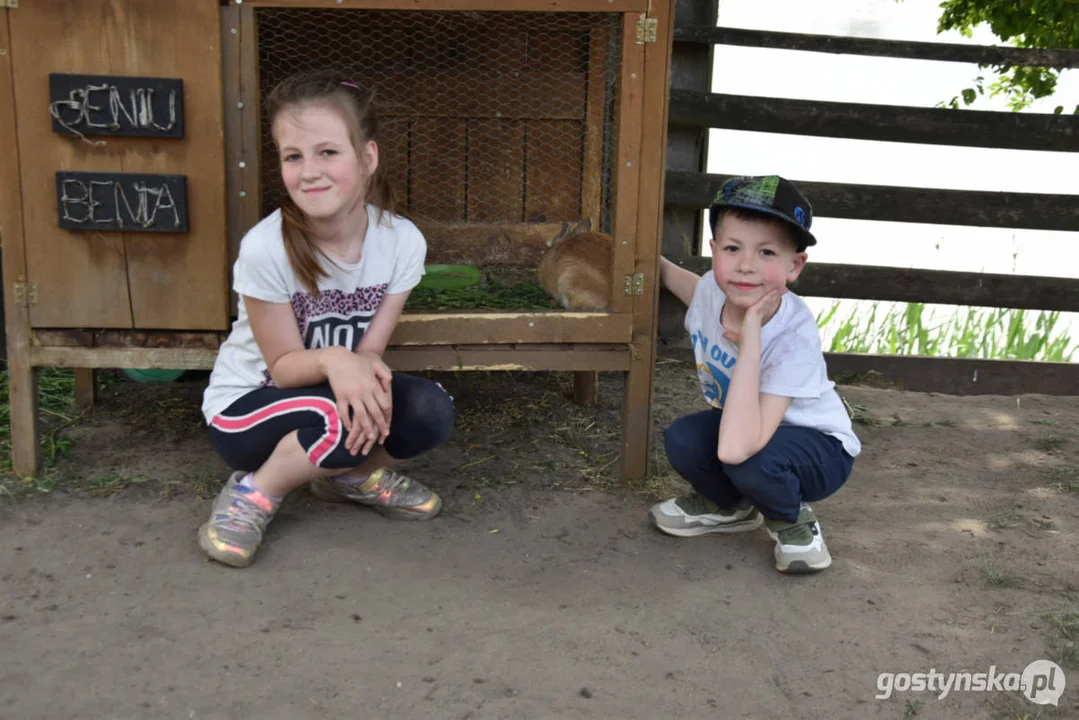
column 694, row 109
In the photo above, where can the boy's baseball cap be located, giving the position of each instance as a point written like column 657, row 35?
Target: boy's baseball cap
column 768, row 194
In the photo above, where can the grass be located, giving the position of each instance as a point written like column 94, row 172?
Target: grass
column 911, row 329
column 1063, row 646
column 56, row 396
column 996, row 578
column 502, row 288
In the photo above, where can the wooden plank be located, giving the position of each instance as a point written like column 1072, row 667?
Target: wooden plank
column 249, row 107
column 178, row 281
column 561, row 358
column 637, row 403
column 22, row 378
column 64, row 338
column 978, row 54
column 865, row 282
column 85, row 388
column 163, row 358
column 892, row 123
column 470, row 93
column 127, row 339
column 496, row 166
column 488, row 244
column 392, row 138
column 553, row 154
column 500, row 328
column 901, row 204
column 81, row 276
column 139, row 338
column 235, row 165
column 572, row 6
column 438, row 169
column 594, row 131
column 626, row 169
column 959, row 376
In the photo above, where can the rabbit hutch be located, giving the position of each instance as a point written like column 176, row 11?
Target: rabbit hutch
column 136, row 156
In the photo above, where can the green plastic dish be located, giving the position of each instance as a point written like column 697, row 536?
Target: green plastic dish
column 154, row 375
column 450, row 277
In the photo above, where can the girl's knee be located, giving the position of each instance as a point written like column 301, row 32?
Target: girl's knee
column 425, row 415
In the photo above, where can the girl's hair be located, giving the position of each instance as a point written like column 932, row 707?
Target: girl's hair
column 356, row 106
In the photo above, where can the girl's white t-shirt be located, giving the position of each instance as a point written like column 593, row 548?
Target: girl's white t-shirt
column 394, row 252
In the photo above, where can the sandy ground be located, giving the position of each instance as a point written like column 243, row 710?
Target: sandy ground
column 541, row 591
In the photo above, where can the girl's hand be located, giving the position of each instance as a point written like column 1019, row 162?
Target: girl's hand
column 360, row 383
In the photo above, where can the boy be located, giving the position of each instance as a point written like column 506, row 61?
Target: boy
column 778, row 435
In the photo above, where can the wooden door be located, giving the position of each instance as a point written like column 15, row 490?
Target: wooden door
column 100, row 276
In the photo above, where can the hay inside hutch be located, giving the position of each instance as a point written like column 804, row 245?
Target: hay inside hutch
column 505, row 126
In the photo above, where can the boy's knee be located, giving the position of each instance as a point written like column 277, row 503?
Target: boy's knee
column 682, row 447
column 755, row 470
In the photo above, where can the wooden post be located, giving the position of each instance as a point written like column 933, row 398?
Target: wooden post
column 22, row 378
column 85, row 387
column 637, row 405
column 586, row 382
column 687, row 151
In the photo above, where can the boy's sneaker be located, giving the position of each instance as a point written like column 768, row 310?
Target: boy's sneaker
column 387, row 492
column 800, row 546
column 694, row 514
column 238, row 520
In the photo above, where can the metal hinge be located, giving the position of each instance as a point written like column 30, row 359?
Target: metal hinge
column 9, row 3
column 635, row 284
column 25, row 294
column 646, row 30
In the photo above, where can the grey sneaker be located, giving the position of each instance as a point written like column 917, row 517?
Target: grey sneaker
column 237, row 522
column 694, row 514
column 800, row 546
column 387, row 492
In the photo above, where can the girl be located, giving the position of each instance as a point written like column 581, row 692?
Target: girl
column 299, row 392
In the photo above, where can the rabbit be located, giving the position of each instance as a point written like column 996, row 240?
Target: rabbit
column 576, row 271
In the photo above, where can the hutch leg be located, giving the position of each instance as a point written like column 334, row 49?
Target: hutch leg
column 585, row 387
column 85, row 387
column 22, row 388
column 637, row 413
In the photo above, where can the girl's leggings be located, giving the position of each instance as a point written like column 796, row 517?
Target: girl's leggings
column 246, row 433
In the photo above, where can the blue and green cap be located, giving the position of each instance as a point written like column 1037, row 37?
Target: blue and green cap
column 770, row 195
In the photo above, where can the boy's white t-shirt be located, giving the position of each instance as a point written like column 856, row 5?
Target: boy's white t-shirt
column 394, row 251
column 792, row 362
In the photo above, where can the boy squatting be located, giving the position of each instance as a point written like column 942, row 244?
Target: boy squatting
column 777, row 436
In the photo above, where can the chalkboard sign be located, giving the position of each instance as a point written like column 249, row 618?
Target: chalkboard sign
column 112, row 105
column 130, row 202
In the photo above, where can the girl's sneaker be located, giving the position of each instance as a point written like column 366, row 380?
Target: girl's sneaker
column 800, row 546
column 387, row 492
column 237, row 522
column 694, row 514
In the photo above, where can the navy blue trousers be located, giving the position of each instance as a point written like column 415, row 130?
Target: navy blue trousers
column 797, row 465
column 247, row 432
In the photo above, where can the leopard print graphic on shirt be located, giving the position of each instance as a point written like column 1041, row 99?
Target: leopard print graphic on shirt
column 334, row 317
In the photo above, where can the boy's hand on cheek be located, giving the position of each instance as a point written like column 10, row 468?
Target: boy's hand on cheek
column 766, row 307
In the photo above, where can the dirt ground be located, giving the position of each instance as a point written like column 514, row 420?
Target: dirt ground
column 541, row 591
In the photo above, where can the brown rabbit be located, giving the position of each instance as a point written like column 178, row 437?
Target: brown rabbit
column 577, row 271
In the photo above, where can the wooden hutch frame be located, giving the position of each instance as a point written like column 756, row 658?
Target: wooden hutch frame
column 621, row 340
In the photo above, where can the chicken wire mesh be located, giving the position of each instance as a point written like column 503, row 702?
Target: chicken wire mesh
column 493, row 117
